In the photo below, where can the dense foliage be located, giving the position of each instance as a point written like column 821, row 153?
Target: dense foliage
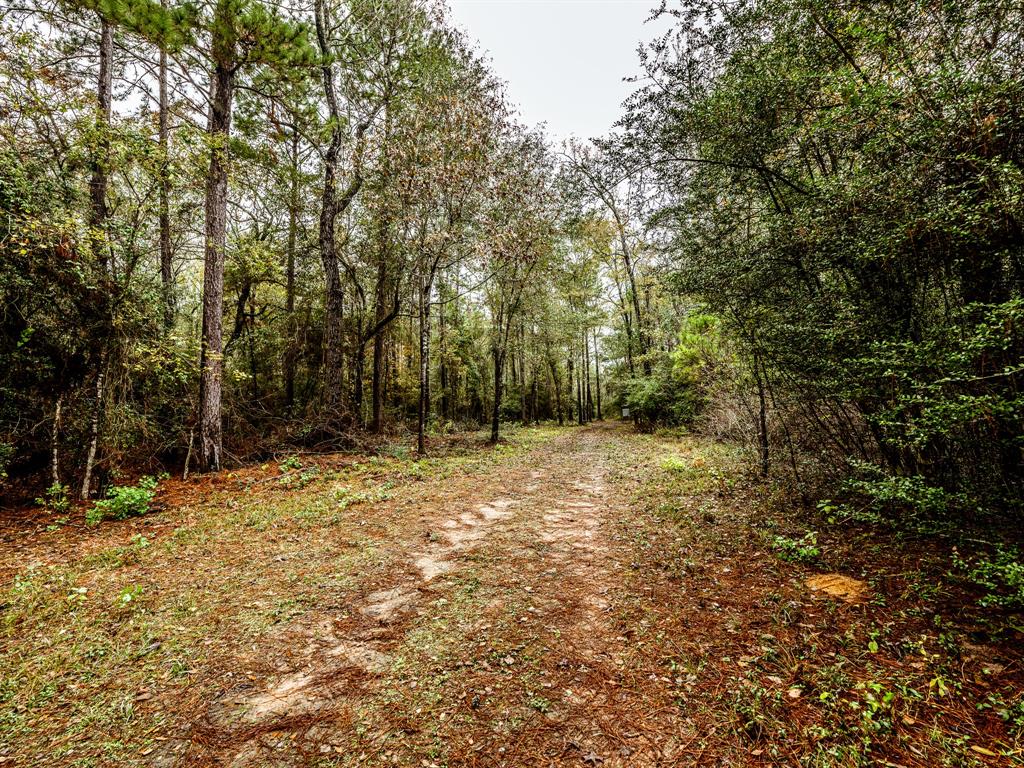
column 841, row 184
column 232, row 226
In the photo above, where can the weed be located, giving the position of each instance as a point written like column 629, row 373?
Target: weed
column 124, row 501
column 675, row 464
column 115, row 557
column 1009, row 710
column 539, row 703
column 756, row 709
column 290, row 463
column 56, row 499
column 129, row 596
column 875, row 706
column 400, row 452
column 803, row 550
column 301, row 480
column 1000, row 576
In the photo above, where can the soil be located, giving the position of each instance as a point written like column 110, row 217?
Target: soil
column 570, row 603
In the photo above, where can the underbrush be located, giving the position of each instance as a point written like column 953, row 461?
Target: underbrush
column 982, row 544
column 924, row 667
column 124, row 501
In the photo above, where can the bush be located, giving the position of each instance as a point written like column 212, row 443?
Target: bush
column 676, row 390
column 1001, row 577
column 656, row 400
column 803, row 550
column 56, row 499
column 6, row 456
column 124, row 501
column 290, row 463
column 907, row 500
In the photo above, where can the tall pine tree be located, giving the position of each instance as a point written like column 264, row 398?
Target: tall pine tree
column 243, row 34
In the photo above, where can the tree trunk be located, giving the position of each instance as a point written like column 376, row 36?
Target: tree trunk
column 98, row 181
column 579, row 398
column 627, row 260
column 251, row 338
column 589, row 404
column 453, row 375
column 762, row 418
column 626, row 322
column 423, row 411
column 55, row 443
column 98, row 218
column 523, row 411
column 378, row 382
column 571, row 390
column 357, row 389
column 334, row 296
column 496, row 410
column 382, row 319
column 597, row 375
column 166, row 256
column 442, row 374
column 331, row 207
column 557, row 383
column 289, row 300
column 94, row 428
column 211, row 361
column 534, row 418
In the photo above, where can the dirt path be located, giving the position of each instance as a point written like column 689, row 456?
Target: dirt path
column 579, row 597
column 490, row 643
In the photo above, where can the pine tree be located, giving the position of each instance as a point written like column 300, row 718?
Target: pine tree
column 167, row 28
column 243, row 34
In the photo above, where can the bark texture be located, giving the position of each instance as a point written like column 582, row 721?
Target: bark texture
column 211, row 361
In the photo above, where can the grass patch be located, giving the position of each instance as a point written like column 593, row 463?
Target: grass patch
column 89, row 646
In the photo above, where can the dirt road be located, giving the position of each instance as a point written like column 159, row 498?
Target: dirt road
column 578, row 597
column 491, row 638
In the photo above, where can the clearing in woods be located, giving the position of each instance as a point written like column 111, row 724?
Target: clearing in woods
column 579, row 596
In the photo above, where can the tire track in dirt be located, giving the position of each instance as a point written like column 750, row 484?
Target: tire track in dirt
column 594, row 720
column 556, row 499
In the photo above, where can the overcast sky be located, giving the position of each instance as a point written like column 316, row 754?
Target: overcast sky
column 563, row 60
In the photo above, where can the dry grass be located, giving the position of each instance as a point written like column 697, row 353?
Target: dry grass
column 591, row 597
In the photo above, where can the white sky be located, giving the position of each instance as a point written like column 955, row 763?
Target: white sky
column 563, row 60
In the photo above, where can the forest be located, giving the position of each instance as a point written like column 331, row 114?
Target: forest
column 287, row 290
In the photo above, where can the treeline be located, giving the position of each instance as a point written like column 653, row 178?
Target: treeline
column 234, row 226
column 841, row 187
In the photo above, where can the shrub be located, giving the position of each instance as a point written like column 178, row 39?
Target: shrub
column 290, row 463
column 124, row 501
column 906, row 500
column 56, row 499
column 802, row 550
column 675, row 391
column 6, row 456
column 1001, row 577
